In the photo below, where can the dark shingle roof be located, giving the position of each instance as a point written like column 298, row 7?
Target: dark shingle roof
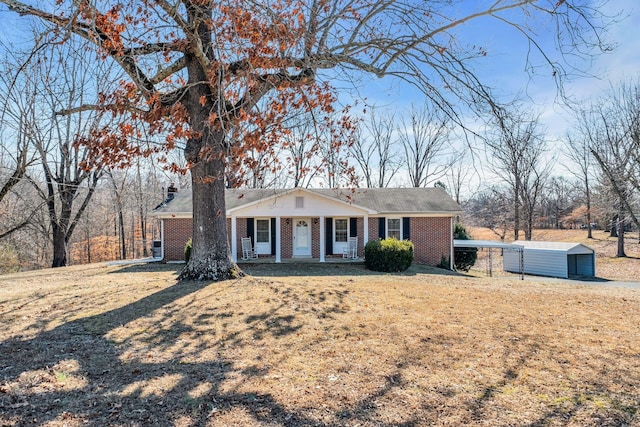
column 380, row 200
column 396, row 200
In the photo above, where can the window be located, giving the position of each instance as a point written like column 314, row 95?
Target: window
column 394, row 228
column 263, row 229
column 341, row 230
column 299, row 202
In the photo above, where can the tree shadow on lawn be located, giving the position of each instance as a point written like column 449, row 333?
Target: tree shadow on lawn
column 75, row 374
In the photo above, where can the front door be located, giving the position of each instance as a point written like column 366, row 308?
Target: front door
column 302, row 237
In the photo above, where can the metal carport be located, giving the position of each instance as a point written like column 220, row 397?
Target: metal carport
column 514, row 249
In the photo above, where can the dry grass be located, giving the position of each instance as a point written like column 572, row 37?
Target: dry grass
column 127, row 346
column 607, row 265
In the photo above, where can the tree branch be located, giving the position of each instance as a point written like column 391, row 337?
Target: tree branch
column 614, row 184
column 15, row 228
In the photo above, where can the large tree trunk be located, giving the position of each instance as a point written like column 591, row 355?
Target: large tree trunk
column 61, row 228
column 516, row 212
column 59, row 248
column 588, row 194
column 122, row 240
column 614, row 226
column 210, row 255
column 620, row 227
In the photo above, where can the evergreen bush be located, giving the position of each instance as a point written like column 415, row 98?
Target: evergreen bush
column 388, row 255
column 463, row 258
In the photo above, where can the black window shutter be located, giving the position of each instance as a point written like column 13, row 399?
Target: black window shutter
column 273, row 236
column 328, row 250
column 250, row 233
column 382, row 229
column 406, row 228
column 353, row 227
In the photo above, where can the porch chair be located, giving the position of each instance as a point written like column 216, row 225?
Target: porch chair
column 248, row 251
column 351, row 251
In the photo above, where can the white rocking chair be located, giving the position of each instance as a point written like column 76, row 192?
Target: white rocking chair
column 248, row 251
column 351, row 251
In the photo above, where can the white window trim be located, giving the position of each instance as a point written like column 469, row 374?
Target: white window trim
column 387, row 227
column 335, row 241
column 255, row 228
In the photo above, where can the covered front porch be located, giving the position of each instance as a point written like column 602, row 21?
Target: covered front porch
column 298, row 239
column 298, row 225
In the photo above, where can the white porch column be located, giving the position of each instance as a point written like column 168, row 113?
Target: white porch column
column 162, row 239
column 278, row 241
column 234, row 238
column 451, row 262
column 366, row 231
column 322, row 239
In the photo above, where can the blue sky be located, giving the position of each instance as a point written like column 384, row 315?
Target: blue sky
column 503, row 68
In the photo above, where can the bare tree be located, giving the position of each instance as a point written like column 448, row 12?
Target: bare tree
column 459, row 174
column 20, row 161
column 577, row 150
column 515, row 151
column 491, row 209
column 375, row 150
column 612, row 129
column 118, row 202
column 16, row 113
column 334, row 142
column 302, row 149
column 425, row 140
column 59, row 79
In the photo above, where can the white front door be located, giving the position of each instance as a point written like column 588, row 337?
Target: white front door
column 301, row 237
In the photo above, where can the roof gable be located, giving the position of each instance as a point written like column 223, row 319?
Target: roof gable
column 284, row 204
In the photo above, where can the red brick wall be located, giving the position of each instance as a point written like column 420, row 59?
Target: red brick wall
column 176, row 233
column 241, row 226
column 431, row 239
column 315, row 237
column 286, row 238
column 373, row 229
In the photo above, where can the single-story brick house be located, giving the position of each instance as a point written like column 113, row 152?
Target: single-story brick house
column 316, row 223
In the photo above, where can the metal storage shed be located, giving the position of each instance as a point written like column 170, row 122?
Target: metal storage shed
column 553, row 259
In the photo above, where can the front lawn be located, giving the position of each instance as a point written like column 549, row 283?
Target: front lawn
column 98, row 345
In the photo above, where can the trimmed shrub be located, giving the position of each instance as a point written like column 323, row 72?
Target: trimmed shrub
column 187, row 250
column 463, row 258
column 388, row 255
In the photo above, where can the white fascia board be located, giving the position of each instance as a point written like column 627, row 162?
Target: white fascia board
column 417, row 214
column 173, row 215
